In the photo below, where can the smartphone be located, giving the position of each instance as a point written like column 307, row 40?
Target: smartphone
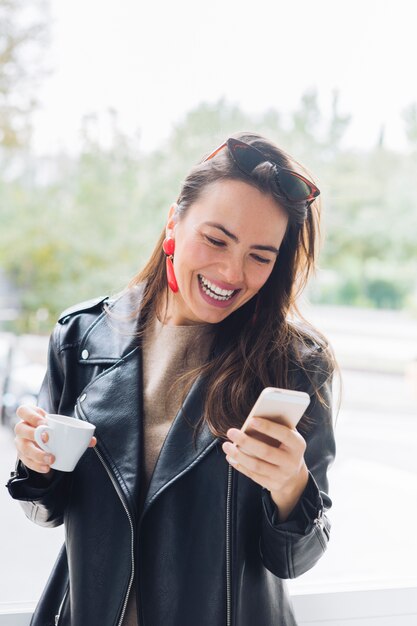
column 283, row 406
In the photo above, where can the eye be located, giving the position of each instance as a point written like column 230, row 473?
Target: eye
column 261, row 259
column 215, row 242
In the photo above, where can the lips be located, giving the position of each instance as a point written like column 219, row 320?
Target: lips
column 214, row 294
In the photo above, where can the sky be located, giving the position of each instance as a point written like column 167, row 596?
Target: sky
column 153, row 62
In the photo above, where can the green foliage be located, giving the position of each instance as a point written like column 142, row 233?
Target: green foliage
column 76, row 227
column 23, row 33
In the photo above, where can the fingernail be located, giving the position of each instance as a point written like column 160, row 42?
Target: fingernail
column 47, row 459
column 44, row 437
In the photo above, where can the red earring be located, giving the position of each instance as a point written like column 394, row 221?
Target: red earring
column 168, row 247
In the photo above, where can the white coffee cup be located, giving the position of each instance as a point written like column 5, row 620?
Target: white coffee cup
column 68, row 440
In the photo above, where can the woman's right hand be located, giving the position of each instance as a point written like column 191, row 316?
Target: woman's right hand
column 28, row 450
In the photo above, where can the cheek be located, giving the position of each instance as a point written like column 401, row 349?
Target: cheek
column 259, row 276
column 195, row 255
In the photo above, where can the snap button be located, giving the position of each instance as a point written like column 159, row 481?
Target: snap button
column 85, row 354
column 83, row 397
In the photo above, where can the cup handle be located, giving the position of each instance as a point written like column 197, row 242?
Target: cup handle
column 43, row 428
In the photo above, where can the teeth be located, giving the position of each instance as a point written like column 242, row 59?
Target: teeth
column 214, row 291
column 215, row 288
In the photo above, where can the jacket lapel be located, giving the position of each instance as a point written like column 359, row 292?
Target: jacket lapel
column 179, row 453
column 113, row 401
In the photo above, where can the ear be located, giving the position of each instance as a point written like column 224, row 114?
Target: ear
column 172, row 220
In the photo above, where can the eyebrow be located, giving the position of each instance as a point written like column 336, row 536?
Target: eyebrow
column 234, row 238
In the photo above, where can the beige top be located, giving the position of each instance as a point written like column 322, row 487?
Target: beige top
column 168, row 352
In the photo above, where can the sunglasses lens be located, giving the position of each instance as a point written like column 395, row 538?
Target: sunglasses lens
column 294, row 188
column 246, row 157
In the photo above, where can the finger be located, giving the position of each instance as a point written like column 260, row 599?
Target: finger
column 253, row 446
column 263, row 480
column 32, row 452
column 251, row 464
column 93, row 442
column 32, row 415
column 280, row 462
column 33, row 457
column 287, row 436
column 23, row 430
column 40, row 469
column 277, row 460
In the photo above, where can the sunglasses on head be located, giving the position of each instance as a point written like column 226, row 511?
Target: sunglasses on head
column 294, row 186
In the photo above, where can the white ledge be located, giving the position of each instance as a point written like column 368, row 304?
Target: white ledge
column 362, row 607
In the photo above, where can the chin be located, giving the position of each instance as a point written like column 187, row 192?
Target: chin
column 215, row 316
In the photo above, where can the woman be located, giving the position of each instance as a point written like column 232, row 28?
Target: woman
column 174, row 516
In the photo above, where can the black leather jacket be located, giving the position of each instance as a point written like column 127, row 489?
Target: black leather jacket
column 206, row 549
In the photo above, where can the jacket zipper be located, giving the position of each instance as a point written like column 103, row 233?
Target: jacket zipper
column 319, row 527
column 132, row 548
column 132, row 545
column 58, row 615
column 228, row 548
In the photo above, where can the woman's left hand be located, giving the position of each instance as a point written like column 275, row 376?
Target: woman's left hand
column 281, row 469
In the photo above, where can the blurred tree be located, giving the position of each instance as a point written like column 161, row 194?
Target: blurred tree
column 23, row 34
column 371, row 221
column 75, row 227
column 78, row 234
column 337, row 126
column 410, row 119
column 306, row 118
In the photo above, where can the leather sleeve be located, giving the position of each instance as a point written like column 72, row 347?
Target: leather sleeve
column 43, row 500
column 289, row 549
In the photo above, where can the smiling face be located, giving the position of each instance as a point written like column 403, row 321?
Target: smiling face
column 226, row 245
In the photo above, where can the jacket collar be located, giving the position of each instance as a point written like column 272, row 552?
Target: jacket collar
column 114, row 333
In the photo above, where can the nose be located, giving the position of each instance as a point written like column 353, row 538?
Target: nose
column 231, row 270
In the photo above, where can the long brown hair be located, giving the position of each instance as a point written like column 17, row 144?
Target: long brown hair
column 266, row 342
